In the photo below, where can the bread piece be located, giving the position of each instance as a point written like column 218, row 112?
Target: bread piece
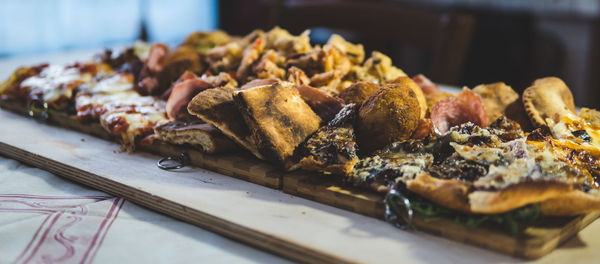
column 450, row 193
column 204, row 136
column 496, row 98
column 216, row 107
column 278, row 118
column 548, row 98
column 517, row 195
column 572, row 203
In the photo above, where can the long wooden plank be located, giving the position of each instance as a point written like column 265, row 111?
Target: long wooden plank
column 268, row 219
column 535, row 241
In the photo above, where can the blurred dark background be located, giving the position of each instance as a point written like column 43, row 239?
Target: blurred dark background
column 456, row 42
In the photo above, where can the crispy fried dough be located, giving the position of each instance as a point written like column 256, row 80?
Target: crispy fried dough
column 547, row 98
column 278, row 118
column 496, row 98
column 216, row 107
column 516, row 112
column 358, row 92
column 390, row 114
column 405, row 80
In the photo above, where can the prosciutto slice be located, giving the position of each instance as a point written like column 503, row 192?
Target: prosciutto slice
column 181, row 94
column 148, row 81
column 324, row 105
column 465, row 107
column 426, row 85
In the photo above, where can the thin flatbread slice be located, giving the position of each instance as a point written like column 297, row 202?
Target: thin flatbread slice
column 570, row 204
column 450, row 193
column 547, row 98
column 204, row 136
column 517, row 195
column 216, row 107
column 496, row 98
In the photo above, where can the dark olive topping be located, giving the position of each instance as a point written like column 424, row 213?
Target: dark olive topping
column 582, row 134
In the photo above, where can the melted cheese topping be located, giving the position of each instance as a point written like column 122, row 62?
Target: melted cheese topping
column 563, row 130
column 116, row 93
column 538, row 162
column 113, row 84
column 480, row 154
column 122, row 110
column 55, row 82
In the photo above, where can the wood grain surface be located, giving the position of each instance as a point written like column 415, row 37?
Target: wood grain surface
column 534, row 242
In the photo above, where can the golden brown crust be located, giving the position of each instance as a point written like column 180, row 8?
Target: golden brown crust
column 358, row 92
column 556, row 198
column 450, row 193
column 547, row 98
column 278, row 118
column 516, row 112
column 516, row 195
column 216, row 107
column 405, row 80
column 572, row 203
column 391, row 114
column 496, row 98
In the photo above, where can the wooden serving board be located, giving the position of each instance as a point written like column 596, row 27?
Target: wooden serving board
column 535, row 241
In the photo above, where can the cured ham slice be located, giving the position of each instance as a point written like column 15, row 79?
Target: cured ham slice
column 182, row 94
column 148, row 82
column 465, row 107
column 426, row 85
column 475, row 104
column 324, row 105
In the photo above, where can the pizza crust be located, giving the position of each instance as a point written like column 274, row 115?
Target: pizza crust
column 516, row 195
column 448, row 193
column 556, row 198
column 570, row 204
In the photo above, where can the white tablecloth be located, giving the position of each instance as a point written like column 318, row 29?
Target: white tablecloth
column 46, row 219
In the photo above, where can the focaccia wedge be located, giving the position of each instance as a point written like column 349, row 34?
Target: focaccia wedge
column 216, row 107
column 278, row 118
